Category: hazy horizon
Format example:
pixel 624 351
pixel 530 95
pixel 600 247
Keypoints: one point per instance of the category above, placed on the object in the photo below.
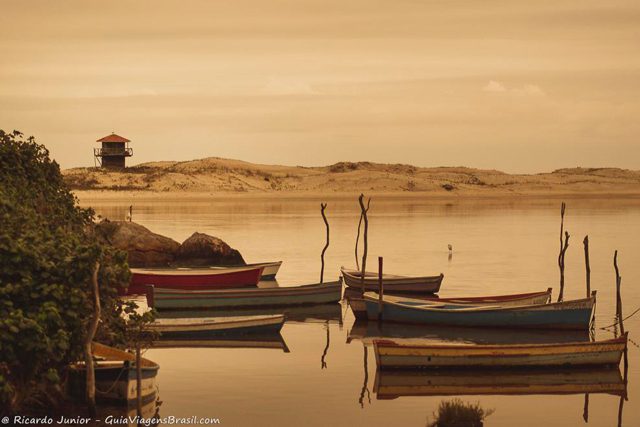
pixel 506 85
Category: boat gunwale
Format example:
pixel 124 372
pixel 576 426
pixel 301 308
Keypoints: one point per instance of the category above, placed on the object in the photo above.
pixel 461 300
pixel 255 264
pixel 246 321
pixel 535 307
pixel 247 291
pixel 205 272
pixel 392 278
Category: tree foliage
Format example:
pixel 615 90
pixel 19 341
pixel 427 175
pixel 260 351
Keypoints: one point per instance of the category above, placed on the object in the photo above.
pixel 47 250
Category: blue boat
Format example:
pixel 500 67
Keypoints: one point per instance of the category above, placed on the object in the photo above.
pixel 575 314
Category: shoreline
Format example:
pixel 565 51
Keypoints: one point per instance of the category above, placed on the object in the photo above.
pixel 216 178
pixel 115 195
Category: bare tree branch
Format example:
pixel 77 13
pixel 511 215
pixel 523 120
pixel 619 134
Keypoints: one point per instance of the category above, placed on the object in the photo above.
pixel 366 238
pixel 323 206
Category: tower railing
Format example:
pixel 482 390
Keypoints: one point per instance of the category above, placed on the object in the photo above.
pixel 102 152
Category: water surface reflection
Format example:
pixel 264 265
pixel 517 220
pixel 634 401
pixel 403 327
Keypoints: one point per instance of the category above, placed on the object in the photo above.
pixel 499 247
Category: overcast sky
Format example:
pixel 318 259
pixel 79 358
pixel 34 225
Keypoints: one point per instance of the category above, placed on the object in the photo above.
pixel 519 86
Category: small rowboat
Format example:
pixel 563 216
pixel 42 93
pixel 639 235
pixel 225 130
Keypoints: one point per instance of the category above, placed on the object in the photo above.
pixel 115 373
pixel 359 307
pixel 189 328
pixel 269 272
pixel 392 283
pixel 575 314
pixel 390 354
pixel 321 293
pixel 391 384
pixel 193 279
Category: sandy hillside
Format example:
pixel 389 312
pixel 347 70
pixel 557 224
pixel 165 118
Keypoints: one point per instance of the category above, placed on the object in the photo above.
pixel 215 176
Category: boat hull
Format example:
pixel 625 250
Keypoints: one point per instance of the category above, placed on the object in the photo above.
pixel 119 384
pixel 116 377
pixel 393 284
pixel 575 314
pixel 260 297
pixel 207 327
pixel 193 279
pixel 604 353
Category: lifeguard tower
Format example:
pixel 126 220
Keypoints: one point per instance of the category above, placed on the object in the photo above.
pixel 115 149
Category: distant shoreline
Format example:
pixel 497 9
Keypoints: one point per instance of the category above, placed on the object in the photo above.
pixel 231 179
pixel 112 196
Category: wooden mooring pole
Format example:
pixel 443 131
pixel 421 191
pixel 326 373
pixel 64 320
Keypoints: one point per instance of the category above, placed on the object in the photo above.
pixel 357 240
pixel 323 206
pixel 618 296
pixel 381 288
pixel 563 250
pixel 365 237
pixel 586 261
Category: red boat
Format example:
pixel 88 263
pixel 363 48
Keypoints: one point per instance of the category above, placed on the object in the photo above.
pixel 192 279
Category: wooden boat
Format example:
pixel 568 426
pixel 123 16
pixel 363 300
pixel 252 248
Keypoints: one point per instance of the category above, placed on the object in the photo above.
pixel 391 384
pixel 392 283
pixel 269 272
pixel 408 333
pixel 115 373
pixel 321 293
pixel 390 354
pixel 359 307
pixel 193 279
pixel 575 314
pixel 210 327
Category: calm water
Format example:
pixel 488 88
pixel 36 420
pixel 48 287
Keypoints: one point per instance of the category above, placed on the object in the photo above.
pixel 315 377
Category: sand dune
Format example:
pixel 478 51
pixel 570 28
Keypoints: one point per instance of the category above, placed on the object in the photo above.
pixel 225 177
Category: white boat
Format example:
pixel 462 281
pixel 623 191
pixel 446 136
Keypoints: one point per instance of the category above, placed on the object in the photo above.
pixel 207 327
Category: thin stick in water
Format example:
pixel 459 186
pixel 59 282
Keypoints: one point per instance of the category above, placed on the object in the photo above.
pixel 618 295
pixel 323 206
pixel 586 261
pixel 563 249
pixel 381 290
pixel 366 238
pixel 357 239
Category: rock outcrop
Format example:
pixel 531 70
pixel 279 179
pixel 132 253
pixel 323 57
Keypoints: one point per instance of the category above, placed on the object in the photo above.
pixel 201 249
pixel 148 249
pixel 145 248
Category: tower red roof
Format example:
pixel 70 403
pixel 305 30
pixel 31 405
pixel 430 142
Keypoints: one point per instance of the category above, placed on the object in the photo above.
pixel 113 138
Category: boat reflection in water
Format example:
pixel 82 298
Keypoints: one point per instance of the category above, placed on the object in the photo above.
pixel 267 341
pixel 127 415
pixel 394 384
pixel 320 313
pixel 366 332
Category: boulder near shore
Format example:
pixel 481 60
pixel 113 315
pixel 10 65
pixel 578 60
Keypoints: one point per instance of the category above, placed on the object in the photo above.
pixel 149 249
pixel 201 249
